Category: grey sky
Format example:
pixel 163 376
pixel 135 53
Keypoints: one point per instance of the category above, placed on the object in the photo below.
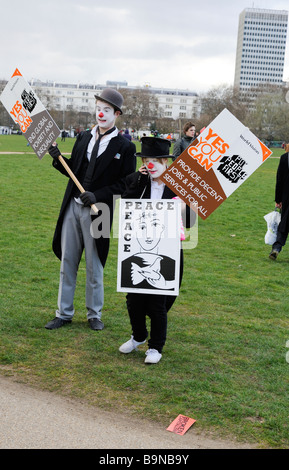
pixel 170 44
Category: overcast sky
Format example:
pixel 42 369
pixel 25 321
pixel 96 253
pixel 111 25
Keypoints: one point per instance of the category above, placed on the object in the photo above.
pixel 183 44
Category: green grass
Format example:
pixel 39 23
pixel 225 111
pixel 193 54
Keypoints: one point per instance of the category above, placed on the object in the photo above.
pixel 224 363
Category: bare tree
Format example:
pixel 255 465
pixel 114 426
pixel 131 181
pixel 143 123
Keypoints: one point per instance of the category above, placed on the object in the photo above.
pixel 140 108
pixel 5 118
pixel 218 98
pixel 269 114
pixel 165 125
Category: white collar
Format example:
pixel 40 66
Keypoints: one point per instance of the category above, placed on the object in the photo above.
pixel 156 184
pixel 112 134
pixel 103 143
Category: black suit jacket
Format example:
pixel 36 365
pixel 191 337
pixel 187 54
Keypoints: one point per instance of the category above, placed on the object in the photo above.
pixel 282 191
pixel 108 180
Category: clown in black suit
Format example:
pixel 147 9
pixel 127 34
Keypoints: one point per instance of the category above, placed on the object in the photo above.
pixel 101 159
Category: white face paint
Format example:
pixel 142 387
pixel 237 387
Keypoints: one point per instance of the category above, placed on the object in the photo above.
pixel 155 166
pixel 105 115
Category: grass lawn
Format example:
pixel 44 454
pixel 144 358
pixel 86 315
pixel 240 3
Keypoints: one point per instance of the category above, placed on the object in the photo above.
pixel 224 363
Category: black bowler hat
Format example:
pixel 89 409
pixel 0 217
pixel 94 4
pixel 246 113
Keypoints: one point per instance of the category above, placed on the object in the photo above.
pixel 154 147
pixel 112 97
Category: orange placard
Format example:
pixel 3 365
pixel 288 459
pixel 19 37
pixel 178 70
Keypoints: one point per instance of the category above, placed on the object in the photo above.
pixel 181 424
pixel 209 170
pixel 265 151
pixel 16 73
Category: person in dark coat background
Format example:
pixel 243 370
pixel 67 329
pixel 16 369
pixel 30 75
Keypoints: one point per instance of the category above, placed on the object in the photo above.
pixel 127 134
pixel 188 138
pixel 282 202
pixel 101 159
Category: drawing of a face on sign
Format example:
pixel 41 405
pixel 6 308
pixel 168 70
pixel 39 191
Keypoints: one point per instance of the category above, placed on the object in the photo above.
pixel 149 229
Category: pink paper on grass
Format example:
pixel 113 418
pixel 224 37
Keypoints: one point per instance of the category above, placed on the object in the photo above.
pixel 181 424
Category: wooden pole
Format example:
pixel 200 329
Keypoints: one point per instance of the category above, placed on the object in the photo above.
pixel 73 177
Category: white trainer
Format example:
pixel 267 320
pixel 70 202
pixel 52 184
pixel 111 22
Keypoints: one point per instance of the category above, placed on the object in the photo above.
pixel 153 356
pixel 130 346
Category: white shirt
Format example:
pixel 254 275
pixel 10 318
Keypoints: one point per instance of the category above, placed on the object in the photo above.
pixel 157 189
pixel 102 147
pixel 103 143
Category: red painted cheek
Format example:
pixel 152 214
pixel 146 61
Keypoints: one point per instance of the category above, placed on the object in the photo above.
pixel 150 166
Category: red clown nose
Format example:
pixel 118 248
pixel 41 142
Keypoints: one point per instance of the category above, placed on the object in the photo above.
pixel 100 115
pixel 150 165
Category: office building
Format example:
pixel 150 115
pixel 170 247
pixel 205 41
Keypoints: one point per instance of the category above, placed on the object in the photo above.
pixel 261 48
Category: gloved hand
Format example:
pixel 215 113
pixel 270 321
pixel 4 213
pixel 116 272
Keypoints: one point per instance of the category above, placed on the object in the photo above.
pixel 87 198
pixel 54 152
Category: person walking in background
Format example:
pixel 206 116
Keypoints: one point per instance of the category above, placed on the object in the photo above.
pixel 182 143
pixel 100 160
pixel 282 203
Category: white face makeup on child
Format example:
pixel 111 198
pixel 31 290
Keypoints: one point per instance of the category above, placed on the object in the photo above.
pixel 105 115
pixel 155 166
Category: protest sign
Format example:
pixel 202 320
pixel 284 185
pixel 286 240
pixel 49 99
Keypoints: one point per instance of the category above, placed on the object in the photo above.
pixel 149 246
pixel 224 155
pixel 28 112
pixel 34 120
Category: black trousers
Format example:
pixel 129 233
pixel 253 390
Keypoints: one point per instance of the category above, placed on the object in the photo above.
pixel 154 306
pixel 280 242
pixel 140 306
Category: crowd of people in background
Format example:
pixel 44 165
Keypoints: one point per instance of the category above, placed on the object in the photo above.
pixel 181 142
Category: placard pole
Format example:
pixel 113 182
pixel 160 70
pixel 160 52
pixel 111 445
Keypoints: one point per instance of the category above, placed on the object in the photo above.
pixel 73 177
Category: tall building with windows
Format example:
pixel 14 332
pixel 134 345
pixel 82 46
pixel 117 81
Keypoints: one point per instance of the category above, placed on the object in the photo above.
pixel 261 48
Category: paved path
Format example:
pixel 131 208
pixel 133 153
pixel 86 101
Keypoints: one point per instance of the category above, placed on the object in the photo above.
pixel 32 419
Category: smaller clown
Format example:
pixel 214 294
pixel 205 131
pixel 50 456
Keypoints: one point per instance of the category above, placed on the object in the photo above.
pixel 147 184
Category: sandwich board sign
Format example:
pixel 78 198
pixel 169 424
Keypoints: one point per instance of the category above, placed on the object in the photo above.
pixel 26 110
pixel 223 156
